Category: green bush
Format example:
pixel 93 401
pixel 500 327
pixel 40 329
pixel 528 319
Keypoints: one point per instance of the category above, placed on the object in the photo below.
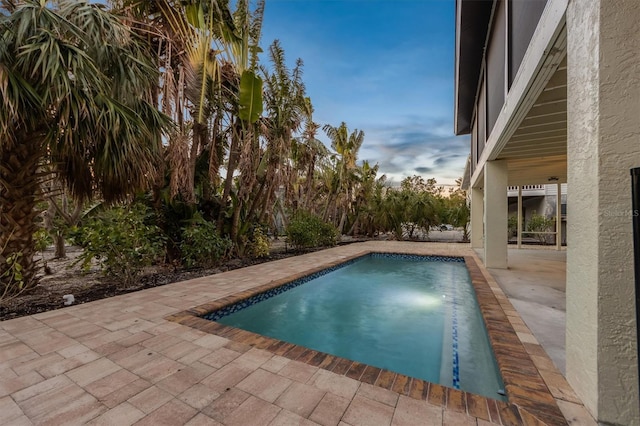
pixel 540 223
pixel 201 245
pixel 42 239
pixel 512 225
pixel 12 277
pixel 121 242
pixel 259 245
pixel 306 230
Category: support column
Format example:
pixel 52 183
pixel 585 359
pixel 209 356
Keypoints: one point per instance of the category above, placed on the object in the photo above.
pixel 603 130
pixel 519 226
pixel 559 217
pixel 477 219
pixel 495 214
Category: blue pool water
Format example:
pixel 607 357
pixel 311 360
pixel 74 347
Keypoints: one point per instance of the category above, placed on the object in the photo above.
pixel 408 314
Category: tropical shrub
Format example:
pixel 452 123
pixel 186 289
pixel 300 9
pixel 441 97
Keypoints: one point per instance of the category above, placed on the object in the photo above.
pixel 306 230
pixel 201 245
pixel 512 226
pixel 121 242
pixel 259 245
pixel 457 211
pixel 13 276
pixel 42 239
pixel 540 223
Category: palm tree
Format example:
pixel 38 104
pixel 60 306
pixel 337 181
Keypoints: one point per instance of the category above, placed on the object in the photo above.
pixel 75 88
pixel 287 109
pixel 346 147
pixel 363 195
pixel 208 58
pixel 309 155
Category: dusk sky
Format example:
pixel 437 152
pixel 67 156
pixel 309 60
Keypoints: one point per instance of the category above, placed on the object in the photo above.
pixel 384 67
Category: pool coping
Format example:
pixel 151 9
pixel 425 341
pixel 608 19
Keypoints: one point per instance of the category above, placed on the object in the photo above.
pixel 529 399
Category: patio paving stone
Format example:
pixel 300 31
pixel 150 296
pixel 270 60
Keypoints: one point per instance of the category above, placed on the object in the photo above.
pixel 287 418
pixel 183 379
pixel 378 394
pixel 92 371
pixel 202 420
pixel 264 385
pixel 120 361
pixel 122 414
pixel 300 399
pixel 298 371
pixel 452 418
pixel 198 396
pixel 172 413
pixel 225 404
pixel 125 393
pixel 10 386
pixel 150 399
pixel 330 410
pixel 365 412
pixel 409 409
pixel 111 383
pixel 9 409
pixel 252 411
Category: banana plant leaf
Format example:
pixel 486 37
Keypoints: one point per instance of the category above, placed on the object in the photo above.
pixel 250 98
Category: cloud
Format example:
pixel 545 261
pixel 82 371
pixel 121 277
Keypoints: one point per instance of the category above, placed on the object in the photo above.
pixel 420 145
pixel 423 170
pixel 384 67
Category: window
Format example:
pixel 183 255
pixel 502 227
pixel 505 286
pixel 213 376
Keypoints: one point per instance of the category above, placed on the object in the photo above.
pixel 496 68
pixel 524 16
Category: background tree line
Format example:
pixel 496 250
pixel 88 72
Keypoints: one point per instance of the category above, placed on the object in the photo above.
pixel 158 129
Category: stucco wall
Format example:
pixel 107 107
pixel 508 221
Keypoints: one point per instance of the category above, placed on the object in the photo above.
pixel 603 144
pixel 477 218
pixel 495 214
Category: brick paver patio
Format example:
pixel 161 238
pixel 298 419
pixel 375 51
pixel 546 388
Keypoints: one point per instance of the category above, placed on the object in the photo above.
pixel 119 361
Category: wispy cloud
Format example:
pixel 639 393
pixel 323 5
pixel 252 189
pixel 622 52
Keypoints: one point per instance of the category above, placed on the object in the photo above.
pixel 423 170
pixel 417 147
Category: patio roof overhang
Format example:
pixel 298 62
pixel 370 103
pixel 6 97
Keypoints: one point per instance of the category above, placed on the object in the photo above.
pixel 537 150
pixel 472 20
pixel 531 130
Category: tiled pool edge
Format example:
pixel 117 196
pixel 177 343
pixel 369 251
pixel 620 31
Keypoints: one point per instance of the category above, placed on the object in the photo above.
pixel 530 401
pixel 526 389
pixel 569 403
pixel 268 291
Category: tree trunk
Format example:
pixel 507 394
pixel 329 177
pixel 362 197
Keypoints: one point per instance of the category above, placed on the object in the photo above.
pixel 18 188
pixel 308 196
pixel 61 251
pixel 343 220
pixel 58 237
pixel 234 155
pixel 354 228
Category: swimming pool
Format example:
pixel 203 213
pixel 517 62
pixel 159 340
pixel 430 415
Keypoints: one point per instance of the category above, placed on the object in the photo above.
pixel 414 315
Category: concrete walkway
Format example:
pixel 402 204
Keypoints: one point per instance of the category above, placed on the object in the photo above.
pixel 535 284
pixel 118 361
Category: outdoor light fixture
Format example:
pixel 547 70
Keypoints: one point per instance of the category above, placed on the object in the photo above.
pixel 553 179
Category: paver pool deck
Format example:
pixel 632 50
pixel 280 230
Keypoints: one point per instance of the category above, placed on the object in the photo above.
pixel 141 358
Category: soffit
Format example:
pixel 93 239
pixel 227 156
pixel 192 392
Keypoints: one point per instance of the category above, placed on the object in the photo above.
pixel 471 33
pixel 537 151
pixel 537 171
pixel 543 131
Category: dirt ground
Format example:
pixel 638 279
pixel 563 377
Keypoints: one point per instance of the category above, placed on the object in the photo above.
pixel 67 278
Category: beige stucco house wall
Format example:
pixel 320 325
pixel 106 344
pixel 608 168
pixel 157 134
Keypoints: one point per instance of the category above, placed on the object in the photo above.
pixel 551 89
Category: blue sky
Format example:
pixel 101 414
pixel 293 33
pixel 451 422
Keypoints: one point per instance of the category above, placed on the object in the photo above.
pixel 382 66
